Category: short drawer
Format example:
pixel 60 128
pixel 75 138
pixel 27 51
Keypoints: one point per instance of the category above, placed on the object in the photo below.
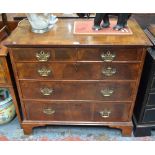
pixel 78 71
pixel 149 115
pixel 109 54
pixel 44 54
pixel 59 111
pixel 77 111
pixel 106 91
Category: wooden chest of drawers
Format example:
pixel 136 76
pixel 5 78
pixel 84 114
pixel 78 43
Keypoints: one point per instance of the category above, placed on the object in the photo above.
pixel 70 79
pixel 7 81
pixel 144 111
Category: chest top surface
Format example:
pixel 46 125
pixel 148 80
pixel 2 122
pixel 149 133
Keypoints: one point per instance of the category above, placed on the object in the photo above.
pixel 62 34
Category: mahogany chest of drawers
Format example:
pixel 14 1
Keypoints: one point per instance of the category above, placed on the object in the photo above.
pixel 70 79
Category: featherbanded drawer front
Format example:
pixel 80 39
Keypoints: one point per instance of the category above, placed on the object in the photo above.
pixel 77 111
pixel 73 54
pixel 70 79
pixel 78 71
pixel 113 91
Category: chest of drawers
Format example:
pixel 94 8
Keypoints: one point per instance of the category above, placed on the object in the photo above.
pixel 7 81
pixel 68 79
pixel 144 111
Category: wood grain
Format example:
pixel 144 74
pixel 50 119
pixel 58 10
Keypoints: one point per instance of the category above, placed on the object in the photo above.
pixel 62 34
pixel 76 78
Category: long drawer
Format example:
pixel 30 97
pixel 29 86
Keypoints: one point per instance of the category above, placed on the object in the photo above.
pixel 106 91
pixel 78 71
pixel 77 111
pixel 79 54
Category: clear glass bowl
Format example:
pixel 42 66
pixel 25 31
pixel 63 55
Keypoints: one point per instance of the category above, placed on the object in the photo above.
pixel 40 22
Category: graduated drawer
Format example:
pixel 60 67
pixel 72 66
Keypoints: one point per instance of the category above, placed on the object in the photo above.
pixel 78 71
pixel 77 111
pixel 44 54
pixel 81 54
pixel 107 54
pixel 106 91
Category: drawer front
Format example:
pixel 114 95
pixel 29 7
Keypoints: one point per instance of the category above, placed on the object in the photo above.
pixel 3 78
pixel 44 54
pixel 151 99
pixel 153 68
pixel 149 115
pixel 108 91
pixel 153 84
pixel 77 111
pixel 78 71
pixel 104 112
pixel 59 111
pixel 109 54
pixel 80 54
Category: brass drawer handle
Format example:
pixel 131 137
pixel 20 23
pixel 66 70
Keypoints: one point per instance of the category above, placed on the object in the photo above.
pixel 107 92
pixel 108 56
pixel 105 113
pixel 44 71
pixel 48 111
pixel 46 91
pixel 109 71
pixel 42 56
